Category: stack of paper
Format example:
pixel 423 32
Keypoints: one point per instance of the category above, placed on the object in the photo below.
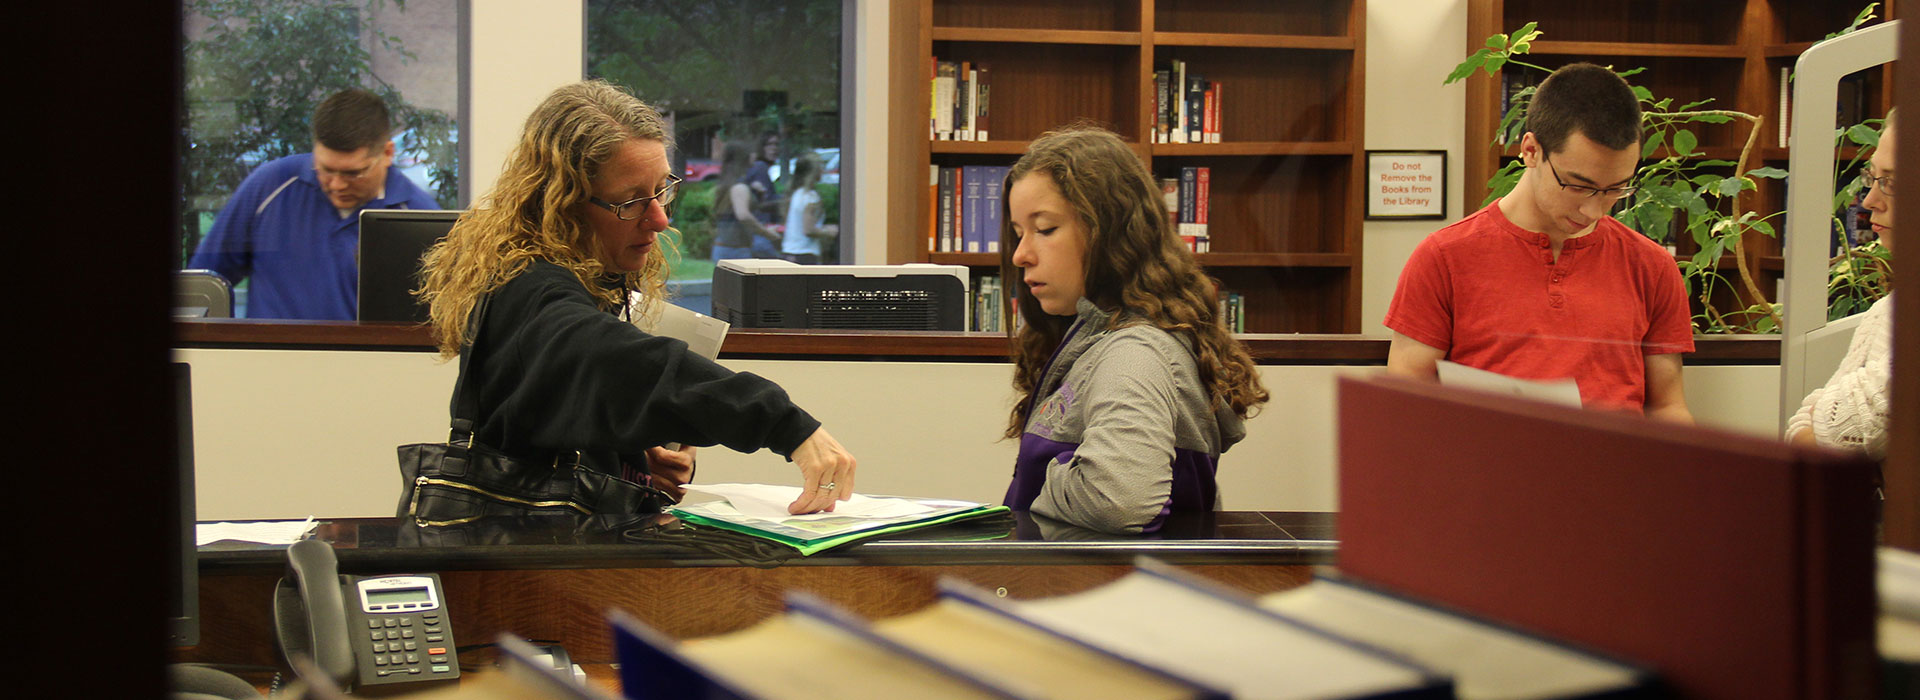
pixel 761 510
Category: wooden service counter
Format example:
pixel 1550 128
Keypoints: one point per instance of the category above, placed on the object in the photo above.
pixel 553 579
pixel 759 343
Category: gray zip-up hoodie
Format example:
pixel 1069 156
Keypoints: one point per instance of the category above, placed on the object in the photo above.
pixel 1122 433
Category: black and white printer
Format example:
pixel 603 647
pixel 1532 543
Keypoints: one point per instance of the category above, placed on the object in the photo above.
pixel 756 293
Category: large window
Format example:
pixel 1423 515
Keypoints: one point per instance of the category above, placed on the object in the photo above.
pixel 256 69
pixel 763 76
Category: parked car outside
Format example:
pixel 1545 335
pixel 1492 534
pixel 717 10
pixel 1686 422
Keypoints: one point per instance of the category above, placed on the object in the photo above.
pixel 702 169
pixel 829 171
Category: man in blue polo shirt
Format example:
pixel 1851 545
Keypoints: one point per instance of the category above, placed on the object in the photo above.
pixel 293 227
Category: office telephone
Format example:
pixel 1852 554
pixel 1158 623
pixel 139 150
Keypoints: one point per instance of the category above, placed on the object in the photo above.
pixel 363 630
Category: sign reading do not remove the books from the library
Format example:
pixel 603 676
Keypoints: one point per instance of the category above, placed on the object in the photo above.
pixel 1406 184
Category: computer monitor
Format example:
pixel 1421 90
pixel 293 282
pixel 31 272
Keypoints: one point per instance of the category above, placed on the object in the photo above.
pixel 391 243
pixel 183 561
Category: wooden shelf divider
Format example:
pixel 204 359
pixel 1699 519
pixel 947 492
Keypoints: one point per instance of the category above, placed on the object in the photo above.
pixel 1622 48
pixel 1032 36
pixel 1253 41
pixel 1255 148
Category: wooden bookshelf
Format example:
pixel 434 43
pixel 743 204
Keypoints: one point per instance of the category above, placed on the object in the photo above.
pixel 1731 51
pixel 1285 219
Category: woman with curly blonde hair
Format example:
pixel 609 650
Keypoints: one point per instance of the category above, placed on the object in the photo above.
pixel 1128 386
pixel 553 256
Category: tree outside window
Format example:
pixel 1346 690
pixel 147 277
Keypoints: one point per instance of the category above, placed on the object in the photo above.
pixel 727 71
pixel 256 69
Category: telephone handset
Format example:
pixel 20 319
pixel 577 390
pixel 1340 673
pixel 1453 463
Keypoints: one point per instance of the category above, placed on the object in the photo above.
pixel 362 631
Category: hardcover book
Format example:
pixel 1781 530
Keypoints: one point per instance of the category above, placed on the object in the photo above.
pixel 1739 567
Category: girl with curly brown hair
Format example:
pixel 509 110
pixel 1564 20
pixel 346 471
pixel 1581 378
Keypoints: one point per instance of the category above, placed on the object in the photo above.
pixel 570 230
pixel 1129 387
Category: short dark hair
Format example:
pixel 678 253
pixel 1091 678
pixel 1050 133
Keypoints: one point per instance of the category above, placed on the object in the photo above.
pixel 351 120
pixel 1587 99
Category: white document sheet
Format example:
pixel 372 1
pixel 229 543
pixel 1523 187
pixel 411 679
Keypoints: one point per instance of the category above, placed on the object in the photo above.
pixel 769 502
pixel 703 334
pixel 268 532
pixel 1561 391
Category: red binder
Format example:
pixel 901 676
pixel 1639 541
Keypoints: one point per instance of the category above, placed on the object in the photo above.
pixel 1735 567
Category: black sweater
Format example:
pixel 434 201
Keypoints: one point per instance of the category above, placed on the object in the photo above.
pixel 556 374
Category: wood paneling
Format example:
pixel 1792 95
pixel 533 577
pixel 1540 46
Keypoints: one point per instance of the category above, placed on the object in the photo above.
pixel 1273 17
pixel 1274 205
pixel 569 605
pixel 1634 21
pixel 1087 15
pixel 1043 86
pixel 1902 516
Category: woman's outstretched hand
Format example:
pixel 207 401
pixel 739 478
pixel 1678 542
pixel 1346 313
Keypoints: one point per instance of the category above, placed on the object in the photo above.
pixel 826 473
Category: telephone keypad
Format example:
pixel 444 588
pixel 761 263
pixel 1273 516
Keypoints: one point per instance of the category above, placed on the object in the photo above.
pixel 397 648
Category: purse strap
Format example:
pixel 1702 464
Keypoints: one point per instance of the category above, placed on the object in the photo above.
pixel 466 404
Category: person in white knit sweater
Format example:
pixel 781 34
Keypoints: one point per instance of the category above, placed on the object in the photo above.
pixel 1850 412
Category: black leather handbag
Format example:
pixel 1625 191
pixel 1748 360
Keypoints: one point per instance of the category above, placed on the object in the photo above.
pixel 460 480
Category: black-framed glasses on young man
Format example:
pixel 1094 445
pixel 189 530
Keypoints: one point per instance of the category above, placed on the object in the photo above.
pixel 1583 190
pixel 1870 181
pixel 636 207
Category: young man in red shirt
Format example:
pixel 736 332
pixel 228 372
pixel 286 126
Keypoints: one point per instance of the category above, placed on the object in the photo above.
pixel 1543 284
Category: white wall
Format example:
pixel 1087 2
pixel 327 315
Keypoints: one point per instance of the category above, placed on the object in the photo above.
pixel 1411 46
pixel 333 418
pixel 331 421
pixel 520 51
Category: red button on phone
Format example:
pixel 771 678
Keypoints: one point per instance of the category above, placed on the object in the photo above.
pixel 437 650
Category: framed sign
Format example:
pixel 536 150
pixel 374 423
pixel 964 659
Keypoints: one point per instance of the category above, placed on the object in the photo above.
pixel 1406 184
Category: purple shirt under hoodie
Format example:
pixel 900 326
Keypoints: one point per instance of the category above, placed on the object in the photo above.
pixel 1122 432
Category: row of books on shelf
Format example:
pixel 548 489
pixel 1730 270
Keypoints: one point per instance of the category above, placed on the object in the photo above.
pixel 961 95
pixel 1233 312
pixel 1186 106
pixel 967 205
pixel 1515 86
pixel 1189 198
pixel 989 305
pixel 1157 632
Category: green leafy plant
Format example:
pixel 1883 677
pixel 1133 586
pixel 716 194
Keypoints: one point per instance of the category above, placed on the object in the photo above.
pixel 1681 192
pixel 254 77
